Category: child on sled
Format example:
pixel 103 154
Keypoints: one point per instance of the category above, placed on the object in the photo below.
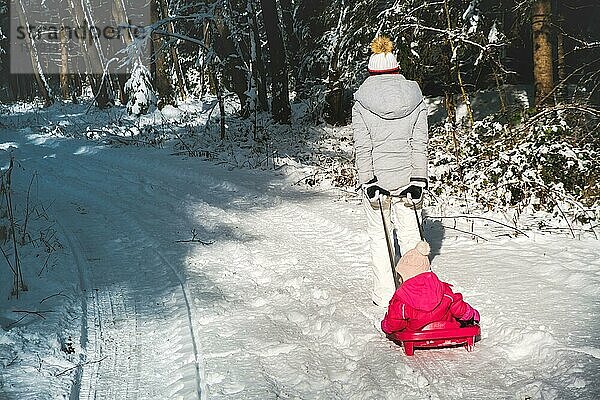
pixel 422 298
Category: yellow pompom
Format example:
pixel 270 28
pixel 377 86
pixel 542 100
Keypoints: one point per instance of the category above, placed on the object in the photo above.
pixel 382 44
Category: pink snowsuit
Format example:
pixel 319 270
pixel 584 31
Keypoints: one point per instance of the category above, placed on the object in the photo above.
pixel 423 299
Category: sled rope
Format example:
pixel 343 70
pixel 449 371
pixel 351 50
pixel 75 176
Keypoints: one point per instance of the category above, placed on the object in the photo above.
pixel 389 246
pixel 417 218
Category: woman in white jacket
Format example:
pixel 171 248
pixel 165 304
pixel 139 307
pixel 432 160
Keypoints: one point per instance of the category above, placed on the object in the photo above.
pixel 389 120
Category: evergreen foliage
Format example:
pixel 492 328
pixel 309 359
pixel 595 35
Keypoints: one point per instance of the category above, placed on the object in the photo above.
pixel 138 89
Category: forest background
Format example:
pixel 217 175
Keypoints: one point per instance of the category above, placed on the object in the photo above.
pixel 532 145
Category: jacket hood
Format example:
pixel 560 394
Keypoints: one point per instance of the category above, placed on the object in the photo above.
pixel 390 96
pixel 422 292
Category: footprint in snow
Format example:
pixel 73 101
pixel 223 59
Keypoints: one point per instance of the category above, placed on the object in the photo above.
pixel 214 377
pixel 343 338
pixel 415 378
pixel 231 388
pixel 319 328
pixel 259 303
pixel 296 317
pixel 278 349
pixel 319 294
pixel 577 383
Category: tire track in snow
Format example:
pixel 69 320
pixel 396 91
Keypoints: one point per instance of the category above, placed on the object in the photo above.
pixel 102 307
pixel 108 309
pixel 197 361
pixel 80 388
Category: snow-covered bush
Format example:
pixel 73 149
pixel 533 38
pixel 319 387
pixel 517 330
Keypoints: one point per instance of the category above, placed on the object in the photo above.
pixel 547 162
pixel 138 88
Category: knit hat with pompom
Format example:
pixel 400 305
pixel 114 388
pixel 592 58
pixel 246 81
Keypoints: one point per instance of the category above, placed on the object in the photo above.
pixel 382 60
pixel 414 262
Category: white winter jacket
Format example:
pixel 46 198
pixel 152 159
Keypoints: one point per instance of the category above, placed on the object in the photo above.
pixel 389 120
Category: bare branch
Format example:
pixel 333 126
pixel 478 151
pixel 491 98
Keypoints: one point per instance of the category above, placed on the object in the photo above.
pixel 482 218
pixel 54 295
pixel 38 313
pixel 194 239
pixel 468 233
pixel 80 365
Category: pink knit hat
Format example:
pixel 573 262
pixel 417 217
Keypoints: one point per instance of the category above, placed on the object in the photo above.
pixel 414 262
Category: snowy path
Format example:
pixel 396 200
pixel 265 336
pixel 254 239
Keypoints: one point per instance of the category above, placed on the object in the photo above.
pixel 139 320
pixel 278 305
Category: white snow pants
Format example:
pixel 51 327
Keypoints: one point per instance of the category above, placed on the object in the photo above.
pixel 401 218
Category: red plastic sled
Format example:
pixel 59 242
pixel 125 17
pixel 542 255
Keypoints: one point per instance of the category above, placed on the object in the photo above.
pixel 438 334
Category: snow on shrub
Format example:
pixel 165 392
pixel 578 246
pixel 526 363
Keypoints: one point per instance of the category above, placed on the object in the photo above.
pixel 139 91
pixel 545 163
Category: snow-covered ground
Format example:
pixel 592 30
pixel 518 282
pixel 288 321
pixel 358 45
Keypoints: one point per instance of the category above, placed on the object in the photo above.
pixel 181 279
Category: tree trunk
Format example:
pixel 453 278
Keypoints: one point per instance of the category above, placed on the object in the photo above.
pixel 562 91
pixel 120 16
pixel 233 66
pixel 260 75
pixel 160 66
pixel 181 83
pixel 76 86
pixel 64 65
pixel 98 82
pixel 334 107
pixel 456 66
pixel 542 51
pixel 221 100
pixel 206 83
pixel 450 106
pixel 43 87
pixel 291 40
pixel 214 81
pixel 280 107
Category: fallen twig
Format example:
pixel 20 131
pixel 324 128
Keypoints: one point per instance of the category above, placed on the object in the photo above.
pixel 80 365
pixel 45 265
pixel 127 140
pixel 194 239
pixel 54 295
pixel 26 312
pixel 313 175
pixel 15 358
pixel 559 228
pixel 16 322
pixel 478 217
pixel 467 232
pixel 193 153
pixel 38 313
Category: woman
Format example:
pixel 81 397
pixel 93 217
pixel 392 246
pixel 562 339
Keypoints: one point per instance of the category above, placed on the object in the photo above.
pixel 389 120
